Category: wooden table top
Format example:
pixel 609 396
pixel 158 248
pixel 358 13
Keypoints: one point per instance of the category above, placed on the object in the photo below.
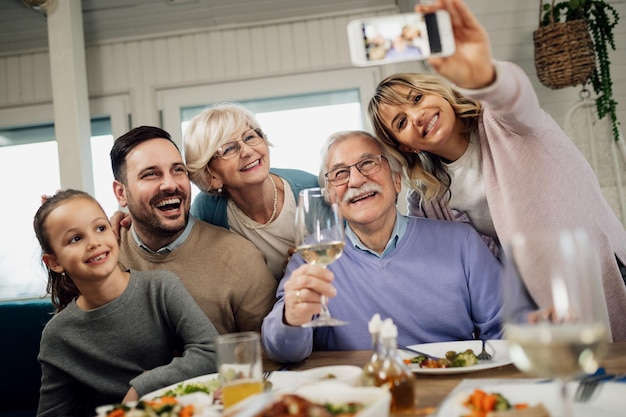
pixel 432 389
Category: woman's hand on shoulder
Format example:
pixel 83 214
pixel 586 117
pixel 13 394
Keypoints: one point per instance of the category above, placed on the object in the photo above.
pixel 471 65
pixel 118 220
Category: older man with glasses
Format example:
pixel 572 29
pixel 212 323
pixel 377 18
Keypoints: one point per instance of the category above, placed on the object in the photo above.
pixel 437 280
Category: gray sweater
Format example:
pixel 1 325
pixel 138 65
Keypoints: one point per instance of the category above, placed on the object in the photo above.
pixel 91 358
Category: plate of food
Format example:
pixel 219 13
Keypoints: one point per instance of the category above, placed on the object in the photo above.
pixel 196 404
pixel 207 384
pixel 536 400
pixel 326 398
pixel 457 355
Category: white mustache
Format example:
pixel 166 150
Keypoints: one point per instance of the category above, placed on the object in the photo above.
pixel 368 187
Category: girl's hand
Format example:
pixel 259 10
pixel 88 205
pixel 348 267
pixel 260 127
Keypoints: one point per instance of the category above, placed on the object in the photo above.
pixel 471 64
pixel 131 395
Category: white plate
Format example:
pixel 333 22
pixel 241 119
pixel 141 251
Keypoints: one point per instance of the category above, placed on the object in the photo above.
pixel 160 392
pixel 349 374
pixel 497 348
pixel 607 402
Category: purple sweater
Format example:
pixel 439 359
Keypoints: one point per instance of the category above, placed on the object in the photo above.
pixel 536 179
pixel 438 284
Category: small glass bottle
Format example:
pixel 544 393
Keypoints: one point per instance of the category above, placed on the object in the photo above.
pixel 394 373
pixel 370 369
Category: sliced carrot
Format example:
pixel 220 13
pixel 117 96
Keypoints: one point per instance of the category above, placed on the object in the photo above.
pixel 187 411
pixel 117 413
pixel 476 400
pixel 489 402
pixel 520 406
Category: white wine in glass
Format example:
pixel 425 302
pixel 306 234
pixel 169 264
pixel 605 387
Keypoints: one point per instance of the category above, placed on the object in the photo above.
pixel 568 336
pixel 319 239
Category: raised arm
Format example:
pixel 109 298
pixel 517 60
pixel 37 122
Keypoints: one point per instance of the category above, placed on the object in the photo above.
pixel 471 64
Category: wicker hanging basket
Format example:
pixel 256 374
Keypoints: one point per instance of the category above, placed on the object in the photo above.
pixel 564 54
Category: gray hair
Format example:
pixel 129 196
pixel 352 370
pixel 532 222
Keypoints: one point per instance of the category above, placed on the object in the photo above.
pixel 394 162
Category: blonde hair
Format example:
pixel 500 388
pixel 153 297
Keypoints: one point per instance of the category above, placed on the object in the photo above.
pixel 425 171
pixel 207 132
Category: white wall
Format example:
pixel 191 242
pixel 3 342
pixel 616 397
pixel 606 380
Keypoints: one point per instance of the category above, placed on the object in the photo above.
pixel 141 68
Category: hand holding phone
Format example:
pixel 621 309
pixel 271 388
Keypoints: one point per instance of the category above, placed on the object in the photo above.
pixel 402 37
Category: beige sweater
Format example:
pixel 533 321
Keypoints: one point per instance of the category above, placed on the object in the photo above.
pixel 225 274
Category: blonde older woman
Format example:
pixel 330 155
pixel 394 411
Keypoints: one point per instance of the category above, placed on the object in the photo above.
pixel 228 158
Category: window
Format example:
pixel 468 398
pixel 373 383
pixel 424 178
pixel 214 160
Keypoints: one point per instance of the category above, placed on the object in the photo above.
pixel 30 167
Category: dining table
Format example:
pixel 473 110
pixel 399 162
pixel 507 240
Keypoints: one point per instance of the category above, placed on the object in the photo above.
pixel 432 389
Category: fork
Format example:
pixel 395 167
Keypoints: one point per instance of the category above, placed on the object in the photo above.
pixel 589 384
pixel 267 384
pixel 484 355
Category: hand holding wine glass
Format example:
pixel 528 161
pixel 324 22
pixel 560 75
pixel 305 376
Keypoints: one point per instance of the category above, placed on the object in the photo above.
pixel 319 239
pixel 568 336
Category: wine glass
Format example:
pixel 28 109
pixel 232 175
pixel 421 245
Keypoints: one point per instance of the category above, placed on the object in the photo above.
pixel 568 336
pixel 319 238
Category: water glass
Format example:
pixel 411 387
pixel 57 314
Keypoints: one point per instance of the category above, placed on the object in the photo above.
pixel 240 366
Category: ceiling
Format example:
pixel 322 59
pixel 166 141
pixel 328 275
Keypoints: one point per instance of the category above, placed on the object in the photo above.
pixel 23 29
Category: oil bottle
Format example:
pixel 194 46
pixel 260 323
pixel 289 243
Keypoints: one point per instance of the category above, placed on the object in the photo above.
pixel 370 369
pixel 394 373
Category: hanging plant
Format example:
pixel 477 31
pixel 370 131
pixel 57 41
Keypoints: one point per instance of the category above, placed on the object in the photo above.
pixel 601 19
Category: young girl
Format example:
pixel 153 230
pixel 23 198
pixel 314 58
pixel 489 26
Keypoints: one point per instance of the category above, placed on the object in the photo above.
pixel 484 151
pixel 115 333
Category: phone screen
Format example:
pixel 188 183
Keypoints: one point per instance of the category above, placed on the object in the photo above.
pixel 405 37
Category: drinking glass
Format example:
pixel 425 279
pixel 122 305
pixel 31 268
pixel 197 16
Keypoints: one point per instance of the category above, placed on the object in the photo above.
pixel 319 239
pixel 240 366
pixel 568 336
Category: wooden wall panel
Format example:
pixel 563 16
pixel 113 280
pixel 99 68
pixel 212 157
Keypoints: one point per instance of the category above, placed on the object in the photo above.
pixel 138 67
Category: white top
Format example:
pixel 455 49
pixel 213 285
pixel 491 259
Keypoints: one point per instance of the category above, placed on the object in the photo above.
pixel 468 188
pixel 274 240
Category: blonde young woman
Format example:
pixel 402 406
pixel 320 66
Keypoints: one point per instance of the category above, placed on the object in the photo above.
pixel 228 158
pixel 483 151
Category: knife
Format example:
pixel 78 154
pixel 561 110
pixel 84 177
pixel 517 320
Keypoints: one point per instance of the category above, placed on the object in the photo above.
pixel 417 352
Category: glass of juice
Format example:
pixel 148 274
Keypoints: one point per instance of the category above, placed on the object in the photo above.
pixel 240 366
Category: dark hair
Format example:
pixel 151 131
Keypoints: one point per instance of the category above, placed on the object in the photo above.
pixel 125 143
pixel 60 286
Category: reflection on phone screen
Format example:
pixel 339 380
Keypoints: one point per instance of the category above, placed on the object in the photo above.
pixel 405 38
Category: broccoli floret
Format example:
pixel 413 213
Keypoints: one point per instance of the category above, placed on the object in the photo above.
pixel 466 358
pixel 418 359
pixel 501 403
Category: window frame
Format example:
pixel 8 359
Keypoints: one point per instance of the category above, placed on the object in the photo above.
pixel 171 101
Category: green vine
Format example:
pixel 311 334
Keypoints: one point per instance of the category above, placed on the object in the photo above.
pixel 601 19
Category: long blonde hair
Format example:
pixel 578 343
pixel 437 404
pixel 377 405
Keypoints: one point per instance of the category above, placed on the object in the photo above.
pixel 425 171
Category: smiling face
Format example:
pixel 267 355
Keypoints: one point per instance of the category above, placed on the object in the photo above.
pixel 157 192
pixel 82 241
pixel 363 200
pixel 427 122
pixel 250 167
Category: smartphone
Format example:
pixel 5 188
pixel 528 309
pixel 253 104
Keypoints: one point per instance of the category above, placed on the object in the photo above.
pixel 401 37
